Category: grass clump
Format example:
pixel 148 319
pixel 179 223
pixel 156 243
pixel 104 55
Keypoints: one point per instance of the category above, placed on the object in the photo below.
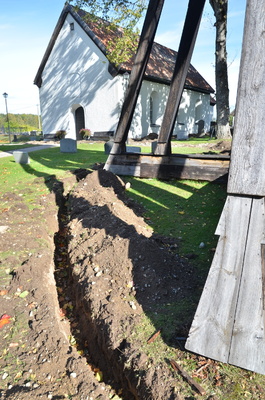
pixel 186 210
pixel 46 164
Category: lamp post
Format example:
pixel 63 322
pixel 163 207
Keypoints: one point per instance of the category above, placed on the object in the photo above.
pixel 5 97
pixel 38 113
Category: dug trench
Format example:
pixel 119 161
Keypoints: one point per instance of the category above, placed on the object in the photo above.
pixel 88 311
pixel 120 275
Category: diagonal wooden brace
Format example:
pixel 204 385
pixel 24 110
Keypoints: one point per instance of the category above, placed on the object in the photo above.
pixel 188 38
pixel 141 59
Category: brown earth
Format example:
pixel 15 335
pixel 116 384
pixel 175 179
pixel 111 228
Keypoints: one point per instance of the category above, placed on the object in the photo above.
pixel 79 273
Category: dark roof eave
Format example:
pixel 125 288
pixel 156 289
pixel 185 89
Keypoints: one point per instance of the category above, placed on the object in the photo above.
pixel 197 89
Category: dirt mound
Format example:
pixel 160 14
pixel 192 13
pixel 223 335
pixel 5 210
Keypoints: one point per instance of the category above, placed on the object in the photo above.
pixel 223 146
pixel 121 272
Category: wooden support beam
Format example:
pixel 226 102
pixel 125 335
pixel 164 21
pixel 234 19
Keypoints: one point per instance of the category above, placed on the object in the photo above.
pixel 141 59
pixel 229 321
pixel 189 35
pixel 178 166
pixel 229 324
pixel 247 170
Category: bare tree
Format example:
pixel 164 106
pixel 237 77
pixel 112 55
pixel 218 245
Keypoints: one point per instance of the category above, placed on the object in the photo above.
pixel 221 75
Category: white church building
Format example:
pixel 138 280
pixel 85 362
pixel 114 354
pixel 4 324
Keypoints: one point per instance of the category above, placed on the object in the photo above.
pixel 79 87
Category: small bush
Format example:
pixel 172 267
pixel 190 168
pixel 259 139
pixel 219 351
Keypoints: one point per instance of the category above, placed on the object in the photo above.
pixel 85 133
pixel 60 134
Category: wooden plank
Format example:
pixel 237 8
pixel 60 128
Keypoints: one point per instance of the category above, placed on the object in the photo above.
pixel 262 254
pixel 248 340
pixel 187 42
pixel 211 331
pixel 220 230
pixel 123 164
pixel 141 59
pixel 247 170
pixel 165 167
pixel 180 159
pixel 184 171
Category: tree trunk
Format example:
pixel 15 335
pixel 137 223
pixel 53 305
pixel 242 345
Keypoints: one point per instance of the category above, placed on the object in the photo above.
pixel 221 76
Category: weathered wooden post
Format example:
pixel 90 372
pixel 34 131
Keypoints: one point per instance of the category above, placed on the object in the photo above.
pixel 188 38
pixel 229 324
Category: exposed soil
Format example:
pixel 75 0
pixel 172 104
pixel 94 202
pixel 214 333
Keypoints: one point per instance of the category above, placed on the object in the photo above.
pixel 76 291
pixel 120 272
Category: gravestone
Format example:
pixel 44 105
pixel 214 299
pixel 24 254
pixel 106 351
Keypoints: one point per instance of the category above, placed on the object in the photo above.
pixel 133 149
pixel 68 146
pixel 129 149
pixel 108 146
pixel 21 157
pixel 153 146
pixel 200 124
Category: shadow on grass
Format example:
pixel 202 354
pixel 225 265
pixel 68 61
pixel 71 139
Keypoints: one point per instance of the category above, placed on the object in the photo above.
pixel 191 217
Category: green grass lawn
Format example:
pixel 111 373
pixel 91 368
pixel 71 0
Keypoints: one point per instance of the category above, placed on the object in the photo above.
pixel 187 210
pixel 48 162
pixel 44 165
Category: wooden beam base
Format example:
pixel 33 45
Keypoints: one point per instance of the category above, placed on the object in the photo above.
pixel 178 166
pixel 229 324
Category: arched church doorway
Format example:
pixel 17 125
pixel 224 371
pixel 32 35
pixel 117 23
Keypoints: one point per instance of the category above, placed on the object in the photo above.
pixel 79 121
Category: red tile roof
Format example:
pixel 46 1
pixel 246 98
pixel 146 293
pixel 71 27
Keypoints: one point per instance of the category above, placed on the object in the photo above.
pixel 161 62
pixel 160 65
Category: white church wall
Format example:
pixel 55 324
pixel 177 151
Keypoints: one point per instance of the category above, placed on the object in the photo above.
pixel 77 74
pixel 148 115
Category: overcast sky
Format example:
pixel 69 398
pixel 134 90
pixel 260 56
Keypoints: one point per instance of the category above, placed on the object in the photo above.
pixel 26 27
